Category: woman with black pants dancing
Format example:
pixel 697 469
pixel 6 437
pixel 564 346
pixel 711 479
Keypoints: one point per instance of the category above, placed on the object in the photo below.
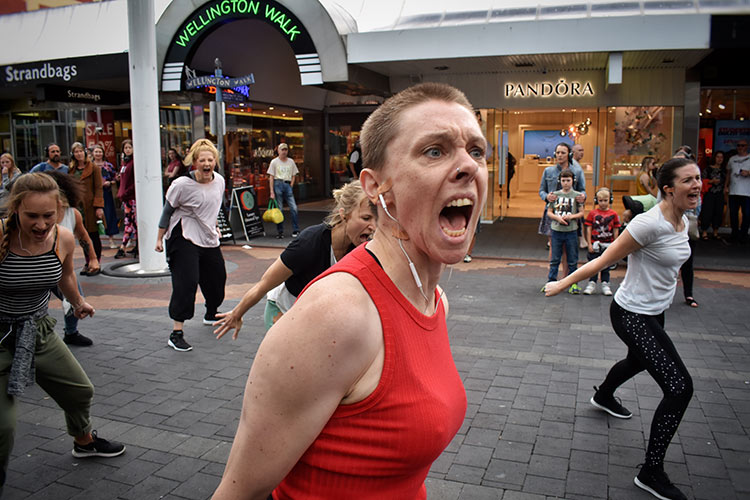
pixel 657 243
pixel 193 252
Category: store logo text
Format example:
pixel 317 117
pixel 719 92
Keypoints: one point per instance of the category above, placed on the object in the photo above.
pixel 549 89
pixel 230 7
pixel 47 70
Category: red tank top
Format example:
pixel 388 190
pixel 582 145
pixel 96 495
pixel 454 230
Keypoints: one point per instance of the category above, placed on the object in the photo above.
pixel 384 445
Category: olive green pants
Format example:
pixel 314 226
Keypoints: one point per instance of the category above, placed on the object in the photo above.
pixel 58 374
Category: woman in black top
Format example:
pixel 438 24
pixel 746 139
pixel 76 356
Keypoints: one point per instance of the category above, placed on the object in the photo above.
pixel 351 222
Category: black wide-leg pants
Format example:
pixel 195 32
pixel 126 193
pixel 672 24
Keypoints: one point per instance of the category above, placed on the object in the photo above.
pixel 192 266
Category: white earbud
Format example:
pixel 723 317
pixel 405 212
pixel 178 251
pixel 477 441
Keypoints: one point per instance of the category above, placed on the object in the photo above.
pixel 412 267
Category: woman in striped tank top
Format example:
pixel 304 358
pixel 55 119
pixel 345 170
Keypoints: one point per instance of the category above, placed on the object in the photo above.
pixel 36 255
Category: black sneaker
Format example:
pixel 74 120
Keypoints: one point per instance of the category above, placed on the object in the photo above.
pixel 655 481
pixel 177 341
pixel 98 448
pixel 210 319
pixel 280 236
pixel 120 254
pixel 611 405
pixel 76 338
pixel 295 234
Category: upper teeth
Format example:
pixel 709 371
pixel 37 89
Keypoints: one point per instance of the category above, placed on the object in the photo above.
pixel 461 202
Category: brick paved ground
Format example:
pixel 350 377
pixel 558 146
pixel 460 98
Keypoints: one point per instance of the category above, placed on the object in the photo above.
pixel 528 364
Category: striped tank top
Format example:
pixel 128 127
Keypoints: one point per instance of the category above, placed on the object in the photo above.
pixel 25 282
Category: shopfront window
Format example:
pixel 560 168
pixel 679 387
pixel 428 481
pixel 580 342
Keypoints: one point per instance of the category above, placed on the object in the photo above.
pixel 724 120
pixel 252 134
pixel 632 133
pixel 343 134
pixel 176 129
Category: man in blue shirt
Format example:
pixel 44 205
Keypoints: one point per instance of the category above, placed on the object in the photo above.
pixel 53 160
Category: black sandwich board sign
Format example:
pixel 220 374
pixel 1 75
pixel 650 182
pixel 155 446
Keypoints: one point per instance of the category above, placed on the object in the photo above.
pixel 247 206
pixel 225 229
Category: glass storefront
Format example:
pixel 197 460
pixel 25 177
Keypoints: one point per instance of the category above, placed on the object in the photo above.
pixel 615 141
pixel 343 133
pixel 33 130
pixel 724 120
pixel 253 131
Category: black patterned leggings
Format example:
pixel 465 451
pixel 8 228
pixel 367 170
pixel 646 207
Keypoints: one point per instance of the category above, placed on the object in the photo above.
pixel 650 348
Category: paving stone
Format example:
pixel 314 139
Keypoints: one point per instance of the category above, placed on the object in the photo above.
pixel 546 466
pixel 544 485
pixel 586 483
pixel 475 456
pixel 513 451
pixel 553 446
pixel 506 472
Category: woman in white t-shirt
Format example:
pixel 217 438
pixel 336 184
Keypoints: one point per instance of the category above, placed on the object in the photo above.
pixel 657 245
pixel 193 252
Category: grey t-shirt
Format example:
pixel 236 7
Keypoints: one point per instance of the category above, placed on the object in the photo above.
pixel 651 278
pixel 564 204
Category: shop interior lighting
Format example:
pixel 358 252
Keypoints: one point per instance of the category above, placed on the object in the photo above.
pixel 708 110
pixel 722 107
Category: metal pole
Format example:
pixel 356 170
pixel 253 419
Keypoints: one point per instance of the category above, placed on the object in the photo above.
pixel 219 118
pixel 144 105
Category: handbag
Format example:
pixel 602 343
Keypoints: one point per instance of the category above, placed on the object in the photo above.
pixel 273 213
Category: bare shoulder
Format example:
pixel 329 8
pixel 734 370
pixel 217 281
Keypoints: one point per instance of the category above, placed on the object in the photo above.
pixel 65 240
pixel 336 310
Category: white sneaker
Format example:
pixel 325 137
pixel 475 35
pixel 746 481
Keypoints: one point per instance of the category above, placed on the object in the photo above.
pixel 467 258
pixel 590 288
pixel 606 290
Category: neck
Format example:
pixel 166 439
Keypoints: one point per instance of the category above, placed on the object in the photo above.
pixel 671 212
pixel 396 265
pixel 339 241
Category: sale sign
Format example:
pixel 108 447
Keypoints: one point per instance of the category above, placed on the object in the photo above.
pixel 102 133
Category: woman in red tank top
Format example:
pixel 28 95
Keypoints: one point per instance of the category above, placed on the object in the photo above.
pixel 353 393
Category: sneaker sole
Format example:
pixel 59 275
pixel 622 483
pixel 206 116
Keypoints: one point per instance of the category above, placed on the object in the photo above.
pixel 604 408
pixel 79 454
pixel 209 322
pixel 648 488
pixel 171 344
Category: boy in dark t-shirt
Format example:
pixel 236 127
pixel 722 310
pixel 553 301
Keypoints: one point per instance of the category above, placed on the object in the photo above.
pixel 564 213
pixel 601 226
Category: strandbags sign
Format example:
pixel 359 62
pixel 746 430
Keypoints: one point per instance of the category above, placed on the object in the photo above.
pixel 63 71
pixel 560 88
pixel 212 15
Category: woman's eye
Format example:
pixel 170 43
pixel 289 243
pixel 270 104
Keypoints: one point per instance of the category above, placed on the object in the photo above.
pixel 433 153
pixel 477 154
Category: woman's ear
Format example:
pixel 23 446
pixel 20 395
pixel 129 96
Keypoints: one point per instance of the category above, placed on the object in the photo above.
pixel 370 184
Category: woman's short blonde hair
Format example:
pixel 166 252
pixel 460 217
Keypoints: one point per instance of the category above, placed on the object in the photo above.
pixel 197 148
pixel 382 125
pixel 347 198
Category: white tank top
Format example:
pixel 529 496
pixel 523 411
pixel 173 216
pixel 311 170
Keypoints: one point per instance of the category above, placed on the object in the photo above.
pixel 69 219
